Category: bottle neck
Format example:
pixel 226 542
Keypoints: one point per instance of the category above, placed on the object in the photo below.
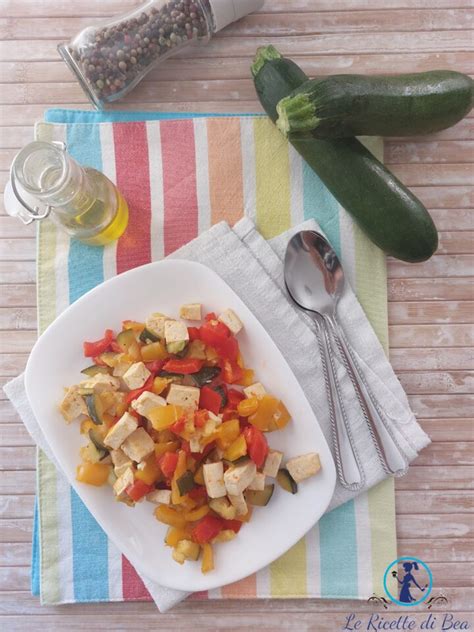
pixel 46 172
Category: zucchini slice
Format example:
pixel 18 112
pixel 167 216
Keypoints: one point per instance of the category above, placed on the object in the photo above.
pixel 179 349
pixel 260 498
pixel 205 375
pixel 148 336
pixel 94 369
pixel 126 339
pixel 222 392
pixel 286 481
pixel 96 439
pixel 185 482
pixel 94 408
pixel 108 357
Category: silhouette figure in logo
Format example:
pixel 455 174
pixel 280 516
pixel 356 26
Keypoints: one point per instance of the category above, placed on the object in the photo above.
pixel 407 581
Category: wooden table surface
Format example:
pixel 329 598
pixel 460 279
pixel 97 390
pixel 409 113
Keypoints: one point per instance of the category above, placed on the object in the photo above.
pixel 430 308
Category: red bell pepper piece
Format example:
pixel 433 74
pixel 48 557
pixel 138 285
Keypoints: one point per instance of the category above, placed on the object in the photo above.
pixel 210 400
pixel 210 316
pixel 138 489
pixel 207 529
pixel 168 462
pixel 229 413
pixel 138 391
pixel 92 349
pixel 185 366
pixel 98 361
pixel 229 349
pixel 115 347
pixel 200 418
pixel 178 426
pixel 234 397
pixel 193 333
pixel 198 493
pixel 155 365
pixel 257 445
pixel 231 371
pixel 214 333
pixel 233 525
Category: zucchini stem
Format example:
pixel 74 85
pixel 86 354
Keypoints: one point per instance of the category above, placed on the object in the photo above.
pixel 296 114
pixel 264 54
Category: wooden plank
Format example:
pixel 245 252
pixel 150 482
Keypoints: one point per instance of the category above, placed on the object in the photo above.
pixel 17 272
pixel 7 413
pixel 16 578
pixel 427 312
pixel 23 249
pixel 17 318
pixel 18 295
pixel 453 219
pixel 444 289
pixel 14 435
pixel 435 526
pixel 436 196
pixel 434 502
pixel 422 477
pixel 456 242
pixel 434 174
pixel 15 553
pixel 17 483
pixel 404 152
pixel 445 429
pixel 437 335
pixel 437 266
pixel 430 358
pixel 439 453
pixel 441 406
pixel 12 364
pixel 18 458
pixel 16 530
pixel 17 341
pixel 15 506
pixel 11 227
pixel 439 550
pixel 425 382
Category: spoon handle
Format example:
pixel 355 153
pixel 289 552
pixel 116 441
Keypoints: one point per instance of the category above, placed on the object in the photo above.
pixel 348 465
pixel 391 456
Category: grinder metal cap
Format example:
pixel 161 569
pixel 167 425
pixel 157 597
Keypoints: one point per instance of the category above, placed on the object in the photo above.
pixel 226 11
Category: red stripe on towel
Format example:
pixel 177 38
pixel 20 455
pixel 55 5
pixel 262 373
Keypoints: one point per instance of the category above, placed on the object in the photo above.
pixel 133 588
pixel 179 183
pixel 133 181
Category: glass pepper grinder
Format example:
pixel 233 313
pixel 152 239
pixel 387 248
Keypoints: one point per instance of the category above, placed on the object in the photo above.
pixel 81 200
pixel 111 58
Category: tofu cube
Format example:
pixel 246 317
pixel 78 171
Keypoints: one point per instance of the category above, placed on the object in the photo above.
pixel 185 396
pixel 101 382
pixel 272 463
pixel 238 478
pixel 138 445
pixel 146 402
pixel 123 481
pixel 121 364
pixel 223 507
pixel 156 324
pixel 191 311
pixel 304 466
pixel 121 461
pixel 122 429
pixel 136 376
pixel 233 322
pixel 160 497
pixel 255 390
pixel 73 405
pixel 239 503
pixel 176 331
pixel 214 479
pixel 258 483
pixel 195 443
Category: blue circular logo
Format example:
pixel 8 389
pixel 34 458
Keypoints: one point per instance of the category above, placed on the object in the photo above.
pixel 414 581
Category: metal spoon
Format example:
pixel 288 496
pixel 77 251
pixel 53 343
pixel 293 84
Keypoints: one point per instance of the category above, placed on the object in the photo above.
pixel 315 280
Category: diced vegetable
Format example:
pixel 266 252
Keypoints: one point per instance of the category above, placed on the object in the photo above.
pixel 95 369
pixel 176 495
pixel 168 462
pixel 153 351
pixel 286 481
pixel 151 472
pixel 170 516
pixel 207 529
pixel 148 336
pixel 163 417
pixel 95 408
pixel 210 400
pixel 227 433
pixel 175 535
pixel 92 349
pixel 93 473
pixel 207 563
pixel 257 445
pixel 186 550
pixel 127 343
pixel 138 489
pixel 185 366
pixel 205 375
pixel 185 482
pixel 98 440
pixel 159 385
pixel 260 498
pixel 196 514
pixel 237 449
pixel 247 407
pixel 231 371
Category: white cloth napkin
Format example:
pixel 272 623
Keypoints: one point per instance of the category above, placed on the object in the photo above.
pixel 253 268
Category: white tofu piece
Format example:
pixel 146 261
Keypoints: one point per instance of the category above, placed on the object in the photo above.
pixel 138 445
pixel 214 479
pixel 258 483
pixel 176 331
pixel 195 443
pixel 185 396
pixel 73 405
pixel 255 390
pixel 160 497
pixel 272 463
pixel 101 382
pixel 121 364
pixel 136 376
pixel 239 503
pixel 304 466
pixel 233 322
pixel 121 461
pixel 123 481
pixel 223 507
pixel 147 401
pixel 120 431
pixel 156 324
pixel 191 311
pixel 238 478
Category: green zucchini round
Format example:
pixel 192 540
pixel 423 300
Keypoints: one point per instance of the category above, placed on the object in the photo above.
pixel 389 214
pixel 378 105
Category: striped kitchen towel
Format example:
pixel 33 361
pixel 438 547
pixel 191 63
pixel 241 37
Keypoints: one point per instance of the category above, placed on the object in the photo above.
pixel 180 175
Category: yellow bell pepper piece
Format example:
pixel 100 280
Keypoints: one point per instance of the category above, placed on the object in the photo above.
pixel 154 351
pixel 248 378
pixel 176 497
pixel 247 407
pixel 227 432
pixel 167 446
pixel 133 324
pixel 170 516
pixel 264 417
pixel 159 385
pixel 93 473
pixel 224 536
pixel 163 417
pixel 175 535
pixel 151 472
pixel 197 514
pixel 199 477
pixel 87 425
pixel 187 503
pixel 236 449
pixel 207 563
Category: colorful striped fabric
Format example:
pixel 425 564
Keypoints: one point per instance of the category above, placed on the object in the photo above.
pixel 181 175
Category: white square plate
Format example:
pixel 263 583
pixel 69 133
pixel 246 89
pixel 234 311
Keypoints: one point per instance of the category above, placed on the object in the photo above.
pixel 56 361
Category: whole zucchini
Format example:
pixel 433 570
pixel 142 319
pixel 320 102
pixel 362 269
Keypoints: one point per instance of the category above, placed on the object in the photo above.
pixel 392 217
pixel 357 105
